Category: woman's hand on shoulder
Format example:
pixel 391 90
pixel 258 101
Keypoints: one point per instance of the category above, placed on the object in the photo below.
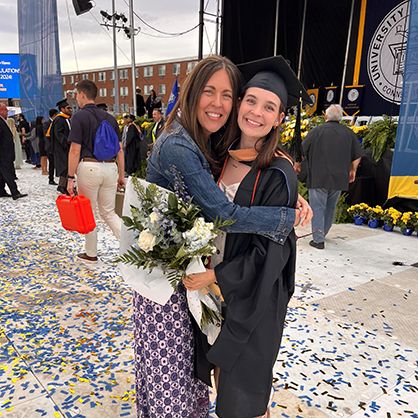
pixel 305 211
pixel 199 280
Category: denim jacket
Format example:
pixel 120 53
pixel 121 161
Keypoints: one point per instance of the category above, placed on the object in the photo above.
pixel 177 148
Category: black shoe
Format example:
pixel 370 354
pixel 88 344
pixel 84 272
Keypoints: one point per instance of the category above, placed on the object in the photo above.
pixel 52 182
pixel 317 245
pixel 62 190
pixel 5 194
pixel 19 195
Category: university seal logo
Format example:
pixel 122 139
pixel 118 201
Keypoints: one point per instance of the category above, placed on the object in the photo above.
pixel 387 50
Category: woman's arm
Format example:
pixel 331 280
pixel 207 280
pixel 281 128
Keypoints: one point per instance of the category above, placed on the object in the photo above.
pixel 32 135
pixel 274 223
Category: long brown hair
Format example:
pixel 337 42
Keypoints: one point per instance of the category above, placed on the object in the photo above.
pixel 188 101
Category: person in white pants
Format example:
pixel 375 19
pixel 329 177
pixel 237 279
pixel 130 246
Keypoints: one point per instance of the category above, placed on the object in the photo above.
pixel 96 180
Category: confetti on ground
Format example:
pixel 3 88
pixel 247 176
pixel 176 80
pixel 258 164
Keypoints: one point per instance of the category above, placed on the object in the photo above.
pixel 66 342
pixel 66 330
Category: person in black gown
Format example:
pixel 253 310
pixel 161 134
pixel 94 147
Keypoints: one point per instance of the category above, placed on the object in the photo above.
pixel 256 275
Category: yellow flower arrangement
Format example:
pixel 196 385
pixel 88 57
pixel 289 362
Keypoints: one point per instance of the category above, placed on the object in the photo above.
pixel 391 217
pixel 360 131
pixel 146 125
pixel 288 127
pixel 359 209
pixel 407 221
pixel 121 124
pixel 415 221
pixel 374 213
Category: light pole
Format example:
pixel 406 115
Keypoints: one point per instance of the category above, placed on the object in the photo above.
pixel 131 12
pixel 115 60
pixel 130 32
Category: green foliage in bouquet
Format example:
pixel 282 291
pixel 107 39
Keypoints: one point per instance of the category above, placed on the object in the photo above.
pixel 170 233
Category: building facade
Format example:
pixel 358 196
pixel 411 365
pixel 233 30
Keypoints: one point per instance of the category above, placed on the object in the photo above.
pixel 158 76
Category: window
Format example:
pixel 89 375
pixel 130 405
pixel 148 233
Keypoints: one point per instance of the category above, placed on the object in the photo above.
pixel 71 79
pixel 161 89
pixel 124 91
pixel 124 107
pixel 148 71
pixel 112 76
pixel 102 92
pixel 112 92
pixel 123 74
pixel 190 66
pixel 93 77
pixel 136 72
pixel 147 89
pixel 72 94
pixel 176 69
pixel 63 80
pixel 161 70
pixel 84 76
pixel 102 76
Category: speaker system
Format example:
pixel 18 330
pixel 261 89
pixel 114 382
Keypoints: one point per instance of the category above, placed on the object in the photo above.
pixel 81 6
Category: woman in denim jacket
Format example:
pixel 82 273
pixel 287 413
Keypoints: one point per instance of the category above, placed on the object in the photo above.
pixel 166 382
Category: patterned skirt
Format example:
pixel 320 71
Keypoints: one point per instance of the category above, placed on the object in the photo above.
pixel 165 384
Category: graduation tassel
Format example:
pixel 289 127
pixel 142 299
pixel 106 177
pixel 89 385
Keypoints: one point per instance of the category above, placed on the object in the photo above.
pixel 296 151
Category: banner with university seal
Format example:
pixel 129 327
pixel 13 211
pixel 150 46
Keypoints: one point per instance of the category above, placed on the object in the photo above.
pixel 352 99
pixel 404 175
pixel 330 96
pixel 313 94
pixel 383 56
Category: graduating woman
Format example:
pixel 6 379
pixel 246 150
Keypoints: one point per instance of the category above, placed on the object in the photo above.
pixel 167 382
pixel 255 275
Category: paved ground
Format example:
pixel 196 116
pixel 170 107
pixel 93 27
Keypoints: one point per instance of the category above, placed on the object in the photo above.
pixel 350 347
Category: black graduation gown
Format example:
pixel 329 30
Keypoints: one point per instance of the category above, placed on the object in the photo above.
pixel 60 130
pixel 132 150
pixel 257 281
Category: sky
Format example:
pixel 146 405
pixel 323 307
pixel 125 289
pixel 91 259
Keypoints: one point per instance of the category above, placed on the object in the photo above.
pixel 94 43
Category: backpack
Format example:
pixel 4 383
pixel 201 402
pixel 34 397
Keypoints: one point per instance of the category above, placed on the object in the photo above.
pixel 106 141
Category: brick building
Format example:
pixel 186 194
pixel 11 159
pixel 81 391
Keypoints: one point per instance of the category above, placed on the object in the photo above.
pixel 159 76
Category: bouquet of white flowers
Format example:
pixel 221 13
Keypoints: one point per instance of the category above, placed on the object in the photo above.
pixel 170 239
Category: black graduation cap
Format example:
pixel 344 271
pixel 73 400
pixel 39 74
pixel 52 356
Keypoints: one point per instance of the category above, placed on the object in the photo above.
pixel 130 116
pixel 102 106
pixel 274 74
pixel 62 103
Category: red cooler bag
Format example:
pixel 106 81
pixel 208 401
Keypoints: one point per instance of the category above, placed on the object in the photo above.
pixel 76 213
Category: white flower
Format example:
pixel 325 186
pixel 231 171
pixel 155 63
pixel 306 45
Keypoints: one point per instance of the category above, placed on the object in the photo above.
pixel 199 236
pixel 154 218
pixel 146 240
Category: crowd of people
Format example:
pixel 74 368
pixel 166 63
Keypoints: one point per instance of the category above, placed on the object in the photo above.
pixel 223 136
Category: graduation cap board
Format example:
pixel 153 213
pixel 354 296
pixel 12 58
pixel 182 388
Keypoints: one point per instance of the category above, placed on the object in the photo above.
pixel 62 103
pixel 274 74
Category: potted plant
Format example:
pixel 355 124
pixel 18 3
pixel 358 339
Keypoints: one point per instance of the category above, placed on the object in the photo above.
pixel 360 131
pixel 407 223
pixel 374 215
pixel 381 137
pixel 415 222
pixel 359 211
pixel 390 217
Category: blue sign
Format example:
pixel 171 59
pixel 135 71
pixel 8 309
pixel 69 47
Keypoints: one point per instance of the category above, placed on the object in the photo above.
pixel 9 76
